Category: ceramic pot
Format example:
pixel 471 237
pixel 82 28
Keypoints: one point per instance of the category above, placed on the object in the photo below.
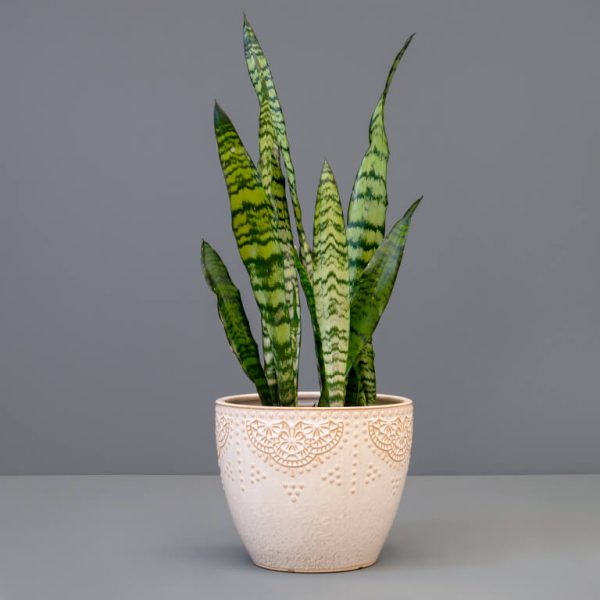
pixel 313 489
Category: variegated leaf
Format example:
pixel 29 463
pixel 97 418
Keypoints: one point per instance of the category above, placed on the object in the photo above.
pixel 373 290
pixel 269 360
pixel 307 286
pixel 331 285
pixel 368 202
pixel 366 219
pixel 235 322
pixel 361 388
pixel 365 369
pixel 254 225
pixel 274 183
pixel 262 80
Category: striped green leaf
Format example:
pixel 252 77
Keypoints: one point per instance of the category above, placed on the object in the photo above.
pixel 269 360
pixel 307 286
pixel 372 292
pixel 262 80
pixel 361 388
pixel 368 202
pixel 233 317
pixel 366 384
pixel 254 225
pixel 331 285
pixel 352 396
pixel 274 184
pixel 363 373
pixel 293 295
pixel 265 166
pixel 366 222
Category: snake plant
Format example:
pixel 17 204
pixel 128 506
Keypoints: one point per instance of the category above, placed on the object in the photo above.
pixel 348 274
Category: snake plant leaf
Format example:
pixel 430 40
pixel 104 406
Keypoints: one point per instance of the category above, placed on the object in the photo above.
pixel 368 202
pixel 233 317
pixel 293 296
pixel 265 166
pixel 331 284
pixel 262 80
pixel 254 226
pixel 352 395
pixel 274 184
pixel 366 220
pixel 307 286
pixel 362 385
pixel 365 367
pixel 373 290
pixel 269 361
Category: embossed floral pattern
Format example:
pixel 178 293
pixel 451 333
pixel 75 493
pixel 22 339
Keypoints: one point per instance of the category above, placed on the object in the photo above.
pixel 294 445
pixel 222 429
pixel 393 437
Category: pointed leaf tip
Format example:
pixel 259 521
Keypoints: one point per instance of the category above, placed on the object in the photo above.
pixel 248 30
pixel 372 292
pixel 220 116
pixel 411 209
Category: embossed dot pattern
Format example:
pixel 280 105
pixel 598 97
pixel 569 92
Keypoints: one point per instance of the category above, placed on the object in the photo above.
pixel 372 474
pixel 293 490
pixel 333 476
pixel 397 483
pixel 256 475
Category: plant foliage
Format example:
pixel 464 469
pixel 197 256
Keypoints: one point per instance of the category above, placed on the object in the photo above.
pixel 347 276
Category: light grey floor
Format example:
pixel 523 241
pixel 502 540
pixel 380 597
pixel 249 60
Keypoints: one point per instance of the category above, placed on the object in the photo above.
pixel 151 537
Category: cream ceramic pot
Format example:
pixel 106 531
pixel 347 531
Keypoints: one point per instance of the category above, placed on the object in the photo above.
pixel 313 489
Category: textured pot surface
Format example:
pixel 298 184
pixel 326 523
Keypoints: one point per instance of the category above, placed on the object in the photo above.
pixel 313 489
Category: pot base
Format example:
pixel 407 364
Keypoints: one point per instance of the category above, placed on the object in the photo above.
pixel 332 570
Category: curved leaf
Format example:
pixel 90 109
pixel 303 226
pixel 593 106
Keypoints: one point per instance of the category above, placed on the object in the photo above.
pixel 366 220
pixel 330 284
pixel 233 317
pixel 262 80
pixel 253 223
pixel 368 202
pixel 374 288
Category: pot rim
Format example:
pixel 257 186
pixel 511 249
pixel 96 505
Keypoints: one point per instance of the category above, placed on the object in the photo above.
pixel 250 400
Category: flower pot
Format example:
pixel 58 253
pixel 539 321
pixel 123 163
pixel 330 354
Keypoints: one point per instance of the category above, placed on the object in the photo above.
pixel 313 489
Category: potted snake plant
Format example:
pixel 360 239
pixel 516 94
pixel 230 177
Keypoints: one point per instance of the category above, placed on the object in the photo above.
pixel 312 479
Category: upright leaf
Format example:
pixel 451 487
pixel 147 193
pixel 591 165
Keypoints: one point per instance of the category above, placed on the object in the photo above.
pixel 265 147
pixel 331 285
pixel 270 368
pixel 365 368
pixel 366 224
pixel 361 388
pixel 307 286
pixel 363 371
pixel 368 202
pixel 274 184
pixel 253 223
pixel 373 290
pixel 262 80
pixel 352 396
pixel 235 322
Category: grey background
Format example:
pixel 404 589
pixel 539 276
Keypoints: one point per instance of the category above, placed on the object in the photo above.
pixel 111 350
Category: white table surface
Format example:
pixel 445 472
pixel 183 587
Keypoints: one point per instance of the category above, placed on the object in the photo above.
pixel 171 537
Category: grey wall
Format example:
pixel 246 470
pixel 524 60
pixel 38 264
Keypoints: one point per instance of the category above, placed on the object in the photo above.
pixel 111 353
